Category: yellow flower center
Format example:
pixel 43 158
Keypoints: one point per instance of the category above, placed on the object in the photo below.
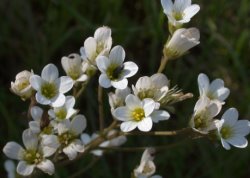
pixel 138 114
pixel 200 122
pixel 61 114
pixel 66 138
pixel 22 85
pixel 47 130
pixel 177 15
pixel 73 73
pixel 226 132
pixel 49 90
pixel 33 157
pixel 146 93
pixel 114 72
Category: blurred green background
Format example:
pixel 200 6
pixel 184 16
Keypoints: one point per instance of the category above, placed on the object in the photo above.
pixel 34 33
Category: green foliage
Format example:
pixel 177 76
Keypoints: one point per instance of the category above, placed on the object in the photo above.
pixel 34 33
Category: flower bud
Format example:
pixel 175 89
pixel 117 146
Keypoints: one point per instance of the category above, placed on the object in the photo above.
pixel 181 41
pixel 22 86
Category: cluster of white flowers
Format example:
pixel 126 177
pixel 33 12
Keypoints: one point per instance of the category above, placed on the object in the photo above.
pixel 209 105
pixel 55 132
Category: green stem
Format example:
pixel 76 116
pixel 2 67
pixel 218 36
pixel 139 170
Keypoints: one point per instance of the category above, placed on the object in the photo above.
pixel 164 61
pixel 161 133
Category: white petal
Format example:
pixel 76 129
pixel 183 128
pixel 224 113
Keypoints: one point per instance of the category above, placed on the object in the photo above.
pixel 104 81
pixel 242 128
pixel 50 141
pixel 148 106
pixel 145 125
pixel 36 113
pixel 85 138
pixel 30 139
pixel 65 83
pixel 122 114
pixel 63 126
pixel 70 151
pixel 48 151
pixel 159 115
pixel 230 116
pixel 133 102
pixel 222 93
pixel 130 69
pixel 167 6
pixel 41 99
pixel 203 83
pixel 117 55
pixel 70 102
pixel 102 34
pixel 50 73
pixel 90 47
pixel 120 84
pixel 58 101
pixel 51 113
pixel 24 169
pixel 180 5
pixel 128 126
pixel 46 166
pixel 102 63
pixel 13 150
pixel 143 83
pixel 65 64
pixel 82 78
pixel 190 11
pixel 36 82
pixel 240 142
pixel 225 144
pixel 34 126
pixel 78 124
pixel 70 113
pixel 159 80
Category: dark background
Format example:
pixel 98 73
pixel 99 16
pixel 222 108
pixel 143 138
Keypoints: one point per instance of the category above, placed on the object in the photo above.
pixel 34 33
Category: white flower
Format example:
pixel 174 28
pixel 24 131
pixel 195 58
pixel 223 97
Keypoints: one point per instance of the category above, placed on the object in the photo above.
pixel 117 141
pixel 9 166
pixel 72 65
pixel 34 156
pixel 118 98
pixel 114 71
pixel 36 126
pixel 50 89
pixel 67 138
pixel 100 44
pixel 204 112
pixel 139 114
pixel 214 90
pixel 147 167
pixel 181 41
pixel 22 86
pixel 179 12
pixel 231 131
pixel 155 87
pixel 65 111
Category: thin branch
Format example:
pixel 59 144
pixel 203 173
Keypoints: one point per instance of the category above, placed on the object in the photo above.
pixel 100 107
pixel 160 133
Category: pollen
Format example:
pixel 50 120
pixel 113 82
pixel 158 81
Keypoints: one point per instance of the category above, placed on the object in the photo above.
pixel 138 114
pixel 33 157
pixel 49 90
pixel 178 16
pixel 65 138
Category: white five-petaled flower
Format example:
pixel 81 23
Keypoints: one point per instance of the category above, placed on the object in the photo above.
pixel 139 113
pixel 72 65
pixel 155 87
pixel 231 131
pixel 181 41
pixel 179 12
pixel 68 137
pixel 22 86
pixel 118 98
pixel 65 111
pixel 147 167
pixel 34 156
pixel 204 112
pixel 100 44
pixel 36 125
pixel 114 71
pixel 50 89
pixel 214 90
